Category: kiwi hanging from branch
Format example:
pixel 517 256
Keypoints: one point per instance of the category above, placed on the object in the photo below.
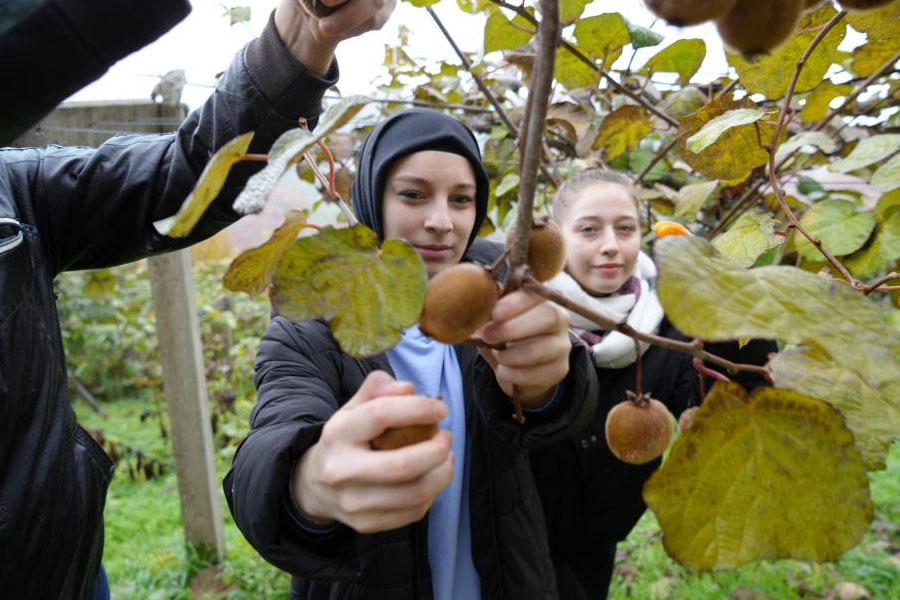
pixel 759 26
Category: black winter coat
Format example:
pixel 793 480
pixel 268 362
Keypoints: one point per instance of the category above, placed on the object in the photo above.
pixel 585 520
pixel 77 208
pixel 302 378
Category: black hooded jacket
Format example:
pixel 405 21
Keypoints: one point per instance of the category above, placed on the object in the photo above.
pixel 302 378
pixel 80 208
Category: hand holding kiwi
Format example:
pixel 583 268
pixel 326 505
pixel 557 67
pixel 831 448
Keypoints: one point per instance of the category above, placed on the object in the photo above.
pixel 317 9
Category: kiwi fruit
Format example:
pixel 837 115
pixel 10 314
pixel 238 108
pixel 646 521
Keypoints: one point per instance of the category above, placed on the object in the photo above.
pixel 397 437
pixel 683 13
pixel 546 248
pixel 758 26
pixel 458 301
pixel 686 418
pixel 317 9
pixel 639 429
pixel 863 4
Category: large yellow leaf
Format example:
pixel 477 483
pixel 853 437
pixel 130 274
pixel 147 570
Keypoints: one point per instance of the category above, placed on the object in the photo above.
pixel 602 37
pixel 623 129
pixel 707 296
pixel 770 74
pixel 683 57
pixel 868 400
pixel 368 294
pixel 818 100
pixel 713 130
pixel 751 236
pixel 873 54
pixel 502 34
pixel 773 475
pixel 572 73
pixel 838 224
pixel 252 270
pixel 736 152
pixel 206 189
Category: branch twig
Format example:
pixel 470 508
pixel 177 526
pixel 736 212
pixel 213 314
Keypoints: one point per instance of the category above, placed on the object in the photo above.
pixel 779 125
pixel 690 348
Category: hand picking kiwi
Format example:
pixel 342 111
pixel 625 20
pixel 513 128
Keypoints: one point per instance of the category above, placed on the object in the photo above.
pixel 546 249
pixel 458 301
pixel 397 437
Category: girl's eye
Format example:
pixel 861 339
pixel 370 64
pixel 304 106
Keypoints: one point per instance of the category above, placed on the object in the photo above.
pixel 626 228
pixel 411 194
pixel 587 229
pixel 462 200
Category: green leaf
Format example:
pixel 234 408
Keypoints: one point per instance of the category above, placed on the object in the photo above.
pixel 570 10
pixel 773 475
pixel 869 151
pixel 603 37
pixel 737 151
pixel 817 102
pixel 883 251
pixel 887 177
pixel 502 34
pixel 368 294
pixel 510 182
pixel 869 400
pixel 572 73
pixel 683 102
pixel 289 148
pixel 713 130
pixel 98 284
pixel 252 270
pixel 691 198
pixel 422 3
pixel 837 223
pixel 770 74
pixel 206 189
pixel 804 140
pixel 238 14
pixel 751 236
pixel 473 7
pixel 623 129
pixel 642 37
pixel 683 57
pixel 707 296
pixel 808 186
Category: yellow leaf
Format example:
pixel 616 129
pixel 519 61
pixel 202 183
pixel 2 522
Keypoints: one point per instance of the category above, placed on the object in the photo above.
pixel 502 34
pixel 770 74
pixel 367 293
pixel 572 73
pixel 623 129
pixel 736 152
pixel 751 236
pixel 206 189
pixel 869 57
pixel 869 400
pixel 773 475
pixel 878 22
pixel 713 130
pixel 817 101
pixel 252 270
pixel 683 57
pixel 602 37
pixel 570 10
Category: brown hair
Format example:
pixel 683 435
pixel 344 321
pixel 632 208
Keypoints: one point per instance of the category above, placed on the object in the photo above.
pixel 566 192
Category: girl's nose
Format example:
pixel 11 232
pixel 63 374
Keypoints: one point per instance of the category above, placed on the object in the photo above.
pixel 438 218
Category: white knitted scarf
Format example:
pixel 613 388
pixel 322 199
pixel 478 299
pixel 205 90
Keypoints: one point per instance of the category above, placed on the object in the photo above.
pixel 642 311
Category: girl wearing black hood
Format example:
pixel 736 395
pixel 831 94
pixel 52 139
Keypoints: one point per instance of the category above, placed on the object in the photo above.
pixel 453 517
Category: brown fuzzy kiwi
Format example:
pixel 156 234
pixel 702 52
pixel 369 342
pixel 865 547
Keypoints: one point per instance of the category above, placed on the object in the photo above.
pixel 686 418
pixel 758 26
pixel 639 429
pixel 317 9
pixel 458 301
pixel 683 13
pixel 546 249
pixel 863 4
pixel 397 437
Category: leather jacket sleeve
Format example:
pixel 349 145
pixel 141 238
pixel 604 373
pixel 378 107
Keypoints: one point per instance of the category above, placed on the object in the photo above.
pixel 95 208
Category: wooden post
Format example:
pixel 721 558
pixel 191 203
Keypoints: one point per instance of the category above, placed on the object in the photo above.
pixel 185 389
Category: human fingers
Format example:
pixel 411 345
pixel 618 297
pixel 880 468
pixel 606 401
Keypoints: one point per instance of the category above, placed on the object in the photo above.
pixel 385 467
pixel 541 318
pixel 534 351
pixel 378 383
pixel 369 420
pixel 351 17
pixel 531 381
pixel 420 493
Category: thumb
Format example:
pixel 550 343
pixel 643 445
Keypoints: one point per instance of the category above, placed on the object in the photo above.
pixel 376 384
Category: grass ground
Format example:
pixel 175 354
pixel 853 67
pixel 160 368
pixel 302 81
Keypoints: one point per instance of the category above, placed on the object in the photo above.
pixel 146 557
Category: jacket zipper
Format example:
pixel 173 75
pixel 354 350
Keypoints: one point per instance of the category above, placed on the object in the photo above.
pixel 13 243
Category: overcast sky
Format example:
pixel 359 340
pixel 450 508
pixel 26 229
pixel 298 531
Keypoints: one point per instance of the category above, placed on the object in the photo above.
pixel 204 43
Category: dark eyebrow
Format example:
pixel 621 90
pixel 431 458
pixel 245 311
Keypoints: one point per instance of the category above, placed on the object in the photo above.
pixel 424 182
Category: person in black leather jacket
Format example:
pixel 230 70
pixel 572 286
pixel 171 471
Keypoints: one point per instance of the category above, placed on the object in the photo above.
pixel 453 516
pixel 79 208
